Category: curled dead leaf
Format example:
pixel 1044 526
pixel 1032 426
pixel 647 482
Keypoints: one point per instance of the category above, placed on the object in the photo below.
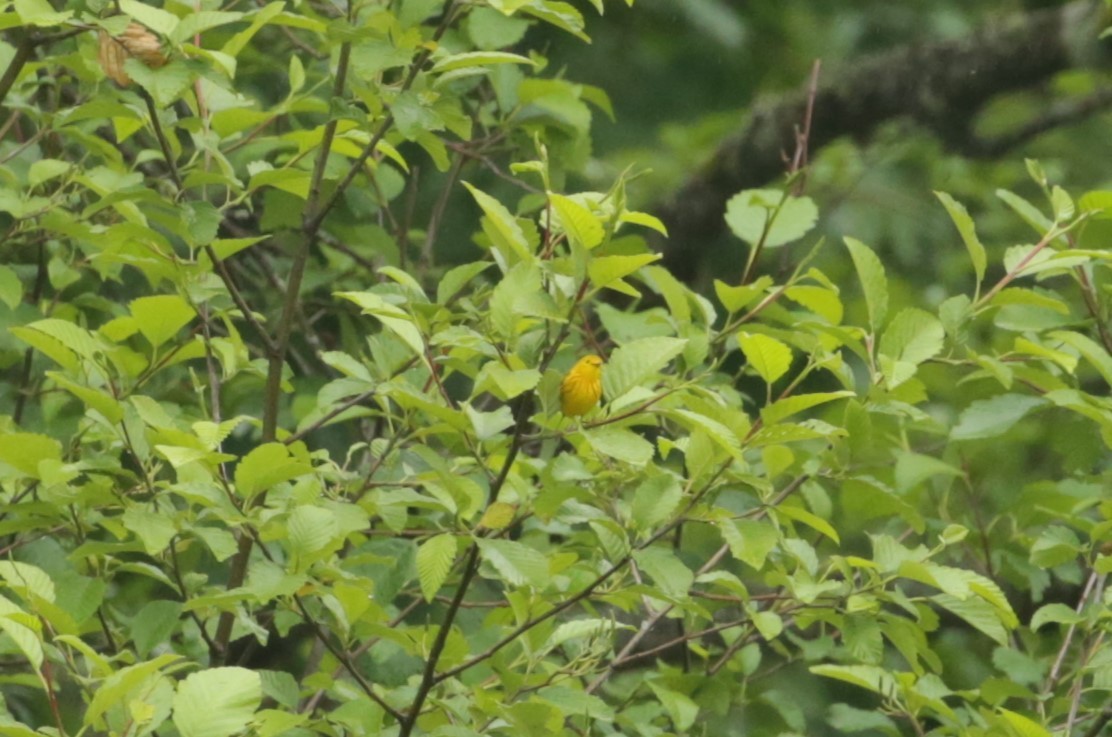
pixel 136 41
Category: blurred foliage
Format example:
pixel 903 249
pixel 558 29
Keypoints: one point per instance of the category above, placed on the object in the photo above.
pixel 285 309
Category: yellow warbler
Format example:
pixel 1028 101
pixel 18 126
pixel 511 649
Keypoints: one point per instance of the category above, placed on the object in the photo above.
pixel 582 387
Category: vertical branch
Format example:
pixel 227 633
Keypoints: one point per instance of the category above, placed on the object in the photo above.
pixel 24 50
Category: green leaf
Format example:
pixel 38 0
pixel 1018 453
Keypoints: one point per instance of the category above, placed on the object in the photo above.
pixel 505 384
pixel 976 612
pixel 1030 214
pixel 310 530
pixel 605 270
pixel 24 451
pixel 870 677
pixel 1055 546
pixel 913 336
pixel 749 211
pixel 504 231
pixel 478 59
pixel 520 298
pixel 26 578
pixel 434 561
pixel 1090 350
pixel 675 293
pixel 559 14
pixel 576 629
pixel 218 702
pixel 874 283
pixel 1056 613
pixel 11 288
pixel 262 17
pixel 988 418
pixel 519 564
pixel 294 181
pixel 456 279
pixel 154 530
pixel 1023 726
pixel 46 169
pixel 488 424
pixel 612 537
pixel 116 688
pixel 655 499
pixel 735 298
pixel 681 709
pixel 750 541
pixel 159 318
pixel 156 19
pixel 770 358
pixel 769 624
pixel 581 226
pixel 392 317
pixel 296 74
pixel 165 84
pixel 154 624
pixel 620 444
pixel 40 13
pixel 636 362
pixel 846 718
pixel 667 571
pixel 808 518
pixel 968 233
pixel 24 630
pixel 266 466
pixel 108 406
pixel 788 406
pixel 822 301
pixel 60 340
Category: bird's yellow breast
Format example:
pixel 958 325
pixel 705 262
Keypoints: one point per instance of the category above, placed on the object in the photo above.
pixel 582 387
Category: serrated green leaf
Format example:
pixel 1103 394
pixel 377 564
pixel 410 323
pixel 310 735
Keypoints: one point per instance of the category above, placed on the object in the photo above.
pixel 217 702
pixel 478 59
pixel 808 518
pixel 822 301
pixel 788 406
pixel 655 499
pixel 748 214
pixel 391 316
pixel 1089 349
pixel 27 579
pixel 750 541
pixel 770 358
pixel 968 232
pixel 637 362
pixel 519 564
pixel 488 424
pixel 581 226
pixel 154 624
pixel 310 529
pixel 874 283
pixel 620 444
pixel 976 612
pixel 107 405
pixel 160 317
pixel 1056 613
pixel 870 677
pixel 667 571
pixel 989 418
pixel 505 231
pixel 605 270
pixel 434 561
pixel 266 466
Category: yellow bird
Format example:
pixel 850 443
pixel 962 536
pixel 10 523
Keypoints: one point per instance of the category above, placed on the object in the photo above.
pixel 582 387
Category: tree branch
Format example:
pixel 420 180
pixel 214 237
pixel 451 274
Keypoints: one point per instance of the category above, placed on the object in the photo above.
pixel 941 85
